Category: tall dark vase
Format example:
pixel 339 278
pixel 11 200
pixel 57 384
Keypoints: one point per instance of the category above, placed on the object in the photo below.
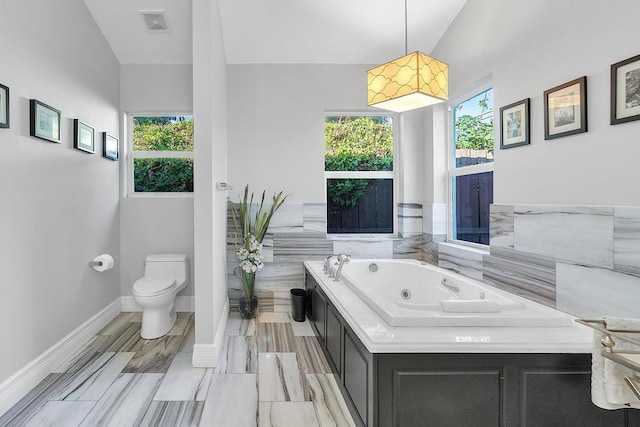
pixel 248 307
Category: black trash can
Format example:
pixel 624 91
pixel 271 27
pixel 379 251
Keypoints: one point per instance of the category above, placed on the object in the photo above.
pixel 298 301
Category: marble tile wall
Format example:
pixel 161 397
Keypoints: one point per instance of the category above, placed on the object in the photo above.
pixel 298 232
pixel 582 260
pixel 464 260
pixel 528 275
pixel 571 233
pixel 544 253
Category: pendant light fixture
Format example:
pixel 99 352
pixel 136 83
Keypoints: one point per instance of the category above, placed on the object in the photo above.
pixel 412 81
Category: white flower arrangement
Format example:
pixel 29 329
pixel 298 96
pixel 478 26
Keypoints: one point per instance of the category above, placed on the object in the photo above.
pixel 250 254
pixel 252 228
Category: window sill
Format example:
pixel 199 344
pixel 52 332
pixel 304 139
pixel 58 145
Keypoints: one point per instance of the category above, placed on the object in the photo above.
pixel 160 196
pixel 363 237
pixel 479 249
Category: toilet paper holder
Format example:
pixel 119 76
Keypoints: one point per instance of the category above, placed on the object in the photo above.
pixel 102 263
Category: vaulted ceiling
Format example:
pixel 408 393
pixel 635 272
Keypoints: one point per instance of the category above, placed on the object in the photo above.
pixel 279 31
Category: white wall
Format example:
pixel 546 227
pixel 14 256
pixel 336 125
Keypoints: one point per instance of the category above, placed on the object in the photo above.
pixel 532 46
pixel 153 224
pixel 410 154
pixel 210 207
pixel 59 205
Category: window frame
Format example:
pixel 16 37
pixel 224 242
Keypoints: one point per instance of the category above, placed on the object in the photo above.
pixel 453 171
pixel 131 155
pixel 392 174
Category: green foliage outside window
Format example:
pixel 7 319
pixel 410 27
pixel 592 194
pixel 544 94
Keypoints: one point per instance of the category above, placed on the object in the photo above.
pixel 475 131
pixel 162 174
pixel 474 134
pixel 163 134
pixel 356 144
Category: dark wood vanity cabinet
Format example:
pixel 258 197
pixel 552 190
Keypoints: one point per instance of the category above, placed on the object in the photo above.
pixel 351 362
pixel 457 389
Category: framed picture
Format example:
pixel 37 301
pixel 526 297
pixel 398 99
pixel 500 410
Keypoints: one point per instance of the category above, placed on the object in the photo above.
pixel 45 121
pixel 625 91
pixel 109 146
pixel 83 136
pixel 514 124
pixel 565 109
pixel 4 107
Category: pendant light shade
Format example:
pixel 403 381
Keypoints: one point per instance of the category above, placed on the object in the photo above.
pixel 413 81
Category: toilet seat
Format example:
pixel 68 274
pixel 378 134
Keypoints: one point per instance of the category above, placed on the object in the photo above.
pixel 153 286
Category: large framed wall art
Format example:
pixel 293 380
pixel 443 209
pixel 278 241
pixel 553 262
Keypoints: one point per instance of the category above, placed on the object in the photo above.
pixel 565 109
pixel 625 91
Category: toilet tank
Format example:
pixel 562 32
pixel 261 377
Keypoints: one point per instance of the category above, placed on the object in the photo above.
pixel 167 265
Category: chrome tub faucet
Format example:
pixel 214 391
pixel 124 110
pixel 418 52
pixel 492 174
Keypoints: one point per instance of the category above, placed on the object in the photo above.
pixel 342 260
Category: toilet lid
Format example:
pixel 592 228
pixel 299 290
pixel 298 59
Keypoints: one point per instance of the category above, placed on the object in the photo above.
pixel 152 286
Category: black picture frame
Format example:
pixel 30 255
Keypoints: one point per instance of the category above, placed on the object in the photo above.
pixel 45 121
pixel 565 109
pixel 4 107
pixel 625 90
pixel 84 137
pixel 110 149
pixel 514 124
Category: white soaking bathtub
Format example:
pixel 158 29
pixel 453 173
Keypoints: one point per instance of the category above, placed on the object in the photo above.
pixel 413 293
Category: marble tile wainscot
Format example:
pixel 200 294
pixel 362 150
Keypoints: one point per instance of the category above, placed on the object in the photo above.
pixel 581 259
pixel 298 233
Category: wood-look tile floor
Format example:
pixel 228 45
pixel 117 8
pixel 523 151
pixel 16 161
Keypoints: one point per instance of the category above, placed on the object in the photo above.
pixel 271 372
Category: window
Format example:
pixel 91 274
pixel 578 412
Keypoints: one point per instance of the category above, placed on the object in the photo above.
pixel 161 155
pixel 359 173
pixel 471 167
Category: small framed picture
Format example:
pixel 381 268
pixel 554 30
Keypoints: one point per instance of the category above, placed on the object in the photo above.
pixel 45 121
pixel 625 91
pixel 4 106
pixel 565 109
pixel 514 124
pixel 109 146
pixel 83 137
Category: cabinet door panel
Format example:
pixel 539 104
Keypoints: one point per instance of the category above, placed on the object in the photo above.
pixel 319 309
pixel 555 398
pixel 309 284
pixel 334 335
pixel 356 377
pixel 449 398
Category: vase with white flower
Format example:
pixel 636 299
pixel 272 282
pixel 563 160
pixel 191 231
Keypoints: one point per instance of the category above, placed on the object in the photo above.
pixel 250 231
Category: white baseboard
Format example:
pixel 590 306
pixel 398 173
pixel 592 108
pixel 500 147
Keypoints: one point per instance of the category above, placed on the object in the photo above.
pixel 187 304
pixel 19 384
pixel 206 355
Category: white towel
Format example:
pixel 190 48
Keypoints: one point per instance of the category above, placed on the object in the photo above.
pixel 598 396
pixel 608 388
pixel 616 389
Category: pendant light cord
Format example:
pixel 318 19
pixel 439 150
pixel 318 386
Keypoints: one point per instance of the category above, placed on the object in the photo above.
pixel 406 37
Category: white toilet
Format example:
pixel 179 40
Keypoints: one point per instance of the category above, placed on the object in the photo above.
pixel 164 276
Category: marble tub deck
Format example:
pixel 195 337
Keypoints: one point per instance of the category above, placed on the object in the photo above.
pixel 271 372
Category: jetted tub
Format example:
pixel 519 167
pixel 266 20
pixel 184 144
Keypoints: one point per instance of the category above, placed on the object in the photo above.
pixel 413 293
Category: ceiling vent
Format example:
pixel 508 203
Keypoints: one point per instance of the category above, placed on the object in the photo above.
pixel 155 20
